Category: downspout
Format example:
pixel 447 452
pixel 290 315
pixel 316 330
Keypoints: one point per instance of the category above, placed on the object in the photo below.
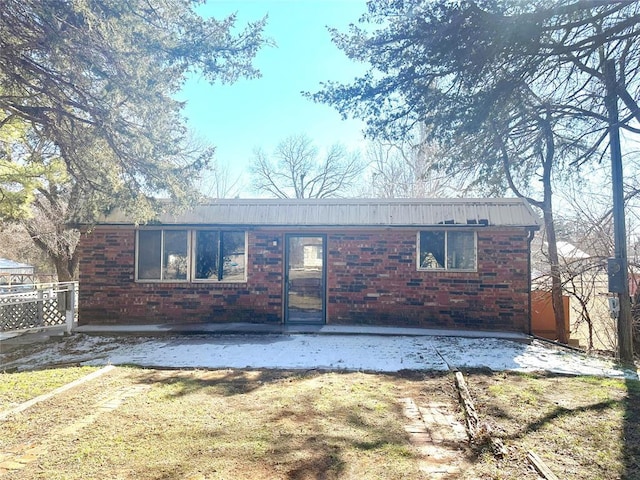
pixel 531 234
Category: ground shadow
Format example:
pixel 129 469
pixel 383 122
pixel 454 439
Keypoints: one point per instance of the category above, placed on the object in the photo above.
pixel 225 382
pixel 316 449
pixel 518 415
pixel 631 431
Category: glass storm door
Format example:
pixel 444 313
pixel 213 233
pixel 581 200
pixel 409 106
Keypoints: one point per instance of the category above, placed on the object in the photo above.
pixel 305 279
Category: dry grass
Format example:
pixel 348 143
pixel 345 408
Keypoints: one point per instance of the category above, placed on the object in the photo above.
pixel 17 388
pixel 230 424
pixel 581 427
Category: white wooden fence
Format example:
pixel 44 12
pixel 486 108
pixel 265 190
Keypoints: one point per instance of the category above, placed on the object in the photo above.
pixel 38 307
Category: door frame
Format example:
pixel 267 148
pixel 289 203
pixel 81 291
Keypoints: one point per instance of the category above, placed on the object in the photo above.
pixel 323 283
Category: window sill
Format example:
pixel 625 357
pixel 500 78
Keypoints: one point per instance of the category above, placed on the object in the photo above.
pixel 146 280
pixel 218 282
pixel 444 270
pixel 193 282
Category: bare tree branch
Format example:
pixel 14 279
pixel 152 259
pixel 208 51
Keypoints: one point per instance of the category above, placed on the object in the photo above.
pixel 296 170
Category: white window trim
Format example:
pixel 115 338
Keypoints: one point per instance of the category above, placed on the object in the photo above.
pixel 190 257
pixel 446 253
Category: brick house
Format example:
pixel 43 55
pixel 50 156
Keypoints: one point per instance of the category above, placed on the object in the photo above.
pixel 449 263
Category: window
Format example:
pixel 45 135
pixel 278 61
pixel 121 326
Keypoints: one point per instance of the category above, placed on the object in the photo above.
pixel 233 256
pixel 149 254
pixel 447 250
pixel 174 256
pixel 220 256
pixel 206 255
pixel 162 255
pixel 197 255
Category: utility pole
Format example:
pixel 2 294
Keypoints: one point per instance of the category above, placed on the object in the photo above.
pixel 617 266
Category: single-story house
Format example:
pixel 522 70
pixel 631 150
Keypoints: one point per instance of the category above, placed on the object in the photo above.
pixel 446 263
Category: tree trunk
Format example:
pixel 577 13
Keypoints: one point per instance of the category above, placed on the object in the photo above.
pixel 547 155
pixel 66 268
pixel 62 270
pixel 556 280
pixel 635 316
pixel 547 211
pixel 66 265
pixel 64 258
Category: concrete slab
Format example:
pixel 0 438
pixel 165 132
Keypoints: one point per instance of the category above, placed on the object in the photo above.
pixel 12 340
pixel 256 328
pixel 431 332
pixel 362 352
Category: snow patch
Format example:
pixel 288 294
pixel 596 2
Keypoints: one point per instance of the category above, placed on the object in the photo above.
pixel 378 353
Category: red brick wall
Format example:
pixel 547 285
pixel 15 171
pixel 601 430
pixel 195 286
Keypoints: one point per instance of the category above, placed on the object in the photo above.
pixel 371 279
pixel 109 294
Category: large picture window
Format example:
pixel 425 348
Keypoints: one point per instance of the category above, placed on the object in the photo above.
pixel 220 256
pixel 191 255
pixel 447 250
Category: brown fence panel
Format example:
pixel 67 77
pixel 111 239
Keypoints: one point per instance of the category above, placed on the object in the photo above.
pixel 543 322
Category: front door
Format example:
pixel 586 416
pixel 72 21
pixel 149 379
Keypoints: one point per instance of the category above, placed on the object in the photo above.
pixel 305 279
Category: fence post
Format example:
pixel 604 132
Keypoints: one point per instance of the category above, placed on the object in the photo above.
pixel 40 297
pixel 70 312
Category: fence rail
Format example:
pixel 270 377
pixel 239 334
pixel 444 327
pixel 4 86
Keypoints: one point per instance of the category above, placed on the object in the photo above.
pixel 38 306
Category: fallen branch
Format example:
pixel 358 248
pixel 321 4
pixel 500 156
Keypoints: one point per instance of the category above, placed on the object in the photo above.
pixel 478 433
pixel 540 466
pixel 467 403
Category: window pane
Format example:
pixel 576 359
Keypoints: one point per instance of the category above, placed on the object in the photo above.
pixel 175 255
pixel 206 255
pixel 461 251
pixel 431 250
pixel 233 256
pixel 149 254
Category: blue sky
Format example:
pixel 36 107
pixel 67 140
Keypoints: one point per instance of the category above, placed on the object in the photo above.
pixel 261 112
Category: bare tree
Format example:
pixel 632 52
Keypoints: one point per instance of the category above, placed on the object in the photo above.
pixel 584 242
pixel 583 279
pixel 295 170
pixel 409 168
pixel 52 229
pixel 217 181
pixel 16 244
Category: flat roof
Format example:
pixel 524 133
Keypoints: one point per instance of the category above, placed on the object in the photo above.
pixel 348 212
